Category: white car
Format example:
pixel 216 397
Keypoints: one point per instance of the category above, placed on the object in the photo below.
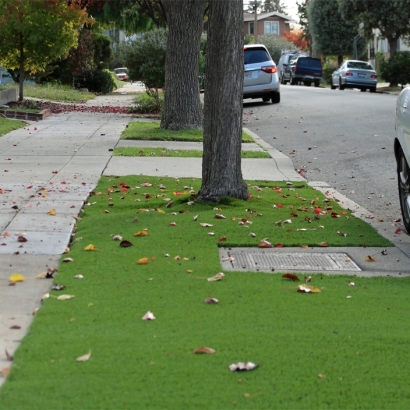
pixel 121 73
pixel 402 153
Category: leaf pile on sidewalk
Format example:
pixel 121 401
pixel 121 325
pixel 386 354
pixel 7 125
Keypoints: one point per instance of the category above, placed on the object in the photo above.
pixel 143 250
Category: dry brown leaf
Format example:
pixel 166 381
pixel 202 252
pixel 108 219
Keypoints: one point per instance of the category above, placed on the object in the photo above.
pixel 5 371
pixel 125 244
pixel 52 212
pixel 220 216
pixel 205 350
pixel 222 239
pixel 265 244
pixel 308 279
pixel 290 276
pixel 321 376
pixel 217 277
pixel 84 358
pixel 211 301
pixel 370 258
pixel 143 261
pixel 323 244
pixel 9 357
pixel 144 232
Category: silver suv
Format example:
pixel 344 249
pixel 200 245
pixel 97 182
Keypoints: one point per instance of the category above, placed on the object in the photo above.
pixel 261 78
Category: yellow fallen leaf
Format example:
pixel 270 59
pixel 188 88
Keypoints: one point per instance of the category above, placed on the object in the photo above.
pixel 160 211
pixel 84 358
pixel 52 212
pixel 144 232
pixel 143 261
pixel 189 270
pixel 16 277
pixel 90 247
pixel 308 289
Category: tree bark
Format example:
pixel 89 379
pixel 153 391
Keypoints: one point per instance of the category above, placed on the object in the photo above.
pixel 182 106
pixel 221 163
pixel 21 68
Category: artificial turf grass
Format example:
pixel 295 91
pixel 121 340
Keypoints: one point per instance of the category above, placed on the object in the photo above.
pixel 260 318
pixel 164 152
pixel 151 131
pixel 7 125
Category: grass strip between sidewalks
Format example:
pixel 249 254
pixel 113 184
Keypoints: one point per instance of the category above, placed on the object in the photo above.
pixel 151 131
pixel 320 350
pixel 185 153
pixel 7 125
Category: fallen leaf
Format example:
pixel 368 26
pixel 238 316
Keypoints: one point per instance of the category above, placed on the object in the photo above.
pixel 143 261
pixel 323 244
pixel 15 327
pixel 5 371
pixel 90 247
pixel 205 225
pixel 16 277
pixel 21 238
pixel 68 260
pixel 265 244
pixel 9 357
pixel 241 366
pixel 172 224
pixel 222 239
pixel 177 258
pixel 84 358
pixel 117 238
pixel 370 258
pixel 205 350
pixel 218 276
pixel 348 297
pixel 125 244
pixel 290 276
pixel 65 297
pixel 58 287
pixel 52 212
pixel 308 289
pixel 351 284
pixel 398 230
pixel 321 376
pixel 308 279
pixel 220 216
pixel 148 316
pixel 78 277
pixel 189 270
pixel 211 301
pixel 45 296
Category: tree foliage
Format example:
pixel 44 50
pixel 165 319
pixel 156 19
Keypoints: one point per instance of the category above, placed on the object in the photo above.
pixel 34 33
pixel 297 38
pixel 395 70
pixel 391 17
pixel 304 23
pixel 266 6
pixel 275 45
pixel 331 34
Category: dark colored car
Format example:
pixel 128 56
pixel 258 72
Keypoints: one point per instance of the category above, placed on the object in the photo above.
pixel 305 69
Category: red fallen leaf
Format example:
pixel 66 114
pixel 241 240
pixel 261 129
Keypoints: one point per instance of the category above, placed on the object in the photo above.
pixel 279 205
pixel 398 230
pixel 335 215
pixel 125 244
pixel 279 245
pixel 318 210
pixel 222 239
pixel 148 196
pixel 15 327
pixel 122 183
pixel 123 189
pixel 293 214
pixel 290 276
pixel 172 224
pixel 250 196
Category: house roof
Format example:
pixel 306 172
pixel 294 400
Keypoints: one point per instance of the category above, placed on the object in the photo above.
pixel 262 16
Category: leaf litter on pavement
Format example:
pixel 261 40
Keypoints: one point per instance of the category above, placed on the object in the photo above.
pixel 166 272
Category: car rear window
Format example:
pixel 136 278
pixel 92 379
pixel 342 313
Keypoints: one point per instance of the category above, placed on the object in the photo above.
pixel 309 62
pixel 358 64
pixel 256 55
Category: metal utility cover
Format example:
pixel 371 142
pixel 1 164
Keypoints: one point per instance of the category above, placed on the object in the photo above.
pixel 270 260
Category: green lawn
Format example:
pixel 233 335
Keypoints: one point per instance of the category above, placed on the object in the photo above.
pixel 7 125
pixel 163 152
pixel 151 131
pixel 321 350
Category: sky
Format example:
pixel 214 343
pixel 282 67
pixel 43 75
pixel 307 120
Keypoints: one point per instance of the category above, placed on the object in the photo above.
pixel 292 8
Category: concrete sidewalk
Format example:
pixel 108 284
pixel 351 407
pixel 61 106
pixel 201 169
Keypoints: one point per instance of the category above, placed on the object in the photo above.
pixel 55 163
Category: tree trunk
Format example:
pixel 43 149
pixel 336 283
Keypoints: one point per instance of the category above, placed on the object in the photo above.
pixel 21 73
pixel 182 107
pixel 393 47
pixel 339 60
pixel 221 163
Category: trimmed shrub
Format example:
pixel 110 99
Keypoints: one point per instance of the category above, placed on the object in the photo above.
pixel 275 45
pixel 98 81
pixel 396 70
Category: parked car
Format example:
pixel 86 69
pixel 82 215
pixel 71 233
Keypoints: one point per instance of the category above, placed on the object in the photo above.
pixel 402 153
pixel 283 64
pixel 121 73
pixel 261 78
pixel 355 74
pixel 305 69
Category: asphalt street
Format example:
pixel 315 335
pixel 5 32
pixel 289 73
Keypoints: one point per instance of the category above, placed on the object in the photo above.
pixel 344 138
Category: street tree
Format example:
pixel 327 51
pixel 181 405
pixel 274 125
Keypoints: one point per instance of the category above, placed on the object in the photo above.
pixel 331 34
pixel 297 38
pixel 182 105
pixel 221 163
pixel 391 17
pixel 35 33
pixel 304 23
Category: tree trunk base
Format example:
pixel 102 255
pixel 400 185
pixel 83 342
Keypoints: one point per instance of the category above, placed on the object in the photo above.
pixel 210 194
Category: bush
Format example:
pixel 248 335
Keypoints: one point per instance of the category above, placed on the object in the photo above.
pixel 147 104
pixel 395 70
pixel 99 81
pixel 275 45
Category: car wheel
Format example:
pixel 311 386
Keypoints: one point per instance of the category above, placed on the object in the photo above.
pixel 317 83
pixel 363 90
pixel 282 80
pixel 308 83
pixel 292 80
pixel 265 99
pixel 332 87
pixel 275 97
pixel 372 89
pixel 403 175
pixel 341 86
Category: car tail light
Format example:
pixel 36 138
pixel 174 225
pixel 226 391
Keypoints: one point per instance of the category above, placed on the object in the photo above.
pixel 295 68
pixel 373 76
pixel 270 69
pixel 349 74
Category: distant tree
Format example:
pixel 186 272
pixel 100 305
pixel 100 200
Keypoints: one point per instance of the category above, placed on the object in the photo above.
pixel 265 6
pixel 275 45
pixel 304 23
pixel 391 17
pixel 34 33
pixel 331 34
pixel 296 37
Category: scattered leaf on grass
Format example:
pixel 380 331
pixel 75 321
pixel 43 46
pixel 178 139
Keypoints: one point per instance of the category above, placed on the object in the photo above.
pixel 16 277
pixel 45 296
pixel 172 224
pixel 148 316
pixel 143 261
pixel 195 217
pixel 57 286
pixel 218 276
pixel 84 358
pixel 308 289
pixel 351 284
pixel 117 238
pixel 370 258
pixel 68 260
pixel 220 216
pixel 323 244
pixel 90 247
pixel 348 297
pixel 78 277
pixel 211 301
pixel 321 376
pixel 290 276
pixel 241 366
pixel 65 297
pixel 265 244
pixel 308 279
pixel 5 371
pixel 222 239
pixel 204 350
pixel 144 232
pixel 205 225
pixel 125 244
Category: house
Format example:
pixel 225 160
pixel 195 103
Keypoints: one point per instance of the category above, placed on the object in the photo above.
pixel 267 23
